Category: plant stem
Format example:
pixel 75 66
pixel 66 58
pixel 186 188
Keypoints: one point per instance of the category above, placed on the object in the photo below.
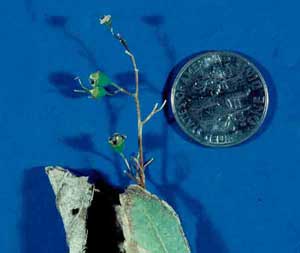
pixel 141 174
pixel 140 123
pixel 121 89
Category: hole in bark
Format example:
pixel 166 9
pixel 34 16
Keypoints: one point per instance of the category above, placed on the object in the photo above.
pixel 75 211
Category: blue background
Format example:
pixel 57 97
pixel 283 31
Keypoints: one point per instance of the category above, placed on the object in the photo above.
pixel 240 199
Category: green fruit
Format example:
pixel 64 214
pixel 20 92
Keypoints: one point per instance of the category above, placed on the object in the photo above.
pixel 98 92
pixel 99 79
pixel 117 142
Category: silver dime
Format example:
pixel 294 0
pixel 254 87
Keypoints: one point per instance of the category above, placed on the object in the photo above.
pixel 219 98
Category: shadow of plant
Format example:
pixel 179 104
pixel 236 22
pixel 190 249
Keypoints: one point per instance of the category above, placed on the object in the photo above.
pixel 29 7
pixel 127 80
pixel 156 22
pixel 152 141
pixel 84 143
pixel 207 237
pixel 61 24
pixel 56 21
pixel 65 84
pixel 153 20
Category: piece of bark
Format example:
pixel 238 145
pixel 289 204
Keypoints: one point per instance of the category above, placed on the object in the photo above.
pixel 148 224
pixel 74 196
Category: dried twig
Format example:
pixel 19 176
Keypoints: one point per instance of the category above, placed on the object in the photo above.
pixel 154 111
pixel 84 89
pixel 126 161
pixel 121 89
pixel 140 166
pixel 148 163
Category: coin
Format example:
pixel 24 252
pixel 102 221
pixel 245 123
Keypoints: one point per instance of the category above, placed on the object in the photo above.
pixel 219 98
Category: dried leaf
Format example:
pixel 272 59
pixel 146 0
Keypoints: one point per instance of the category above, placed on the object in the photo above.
pixel 73 198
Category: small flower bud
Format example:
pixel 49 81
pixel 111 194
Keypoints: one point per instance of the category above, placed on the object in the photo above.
pixel 106 20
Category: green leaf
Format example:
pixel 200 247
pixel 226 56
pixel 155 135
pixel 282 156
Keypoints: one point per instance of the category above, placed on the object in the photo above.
pixel 149 224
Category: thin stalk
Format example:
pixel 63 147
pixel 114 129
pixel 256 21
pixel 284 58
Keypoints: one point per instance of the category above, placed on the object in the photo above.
pixel 121 89
pixel 141 173
pixel 140 123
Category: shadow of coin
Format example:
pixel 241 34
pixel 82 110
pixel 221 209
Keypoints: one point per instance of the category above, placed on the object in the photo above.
pixel 167 96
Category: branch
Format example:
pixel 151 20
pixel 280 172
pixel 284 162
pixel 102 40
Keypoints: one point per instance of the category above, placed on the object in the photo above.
pixel 84 89
pixel 122 89
pixel 154 111
pixel 128 172
pixel 106 20
pixel 119 38
pixel 134 179
pixel 127 51
pixel 125 161
pixel 136 163
pixel 136 75
pixel 148 163
pixel 133 60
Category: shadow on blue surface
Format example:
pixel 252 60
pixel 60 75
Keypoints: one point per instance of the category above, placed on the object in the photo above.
pixel 84 143
pixel 127 80
pixel 56 21
pixel 153 20
pixel 156 22
pixel 64 84
pixel 60 23
pixel 30 10
pixel 41 227
pixel 207 237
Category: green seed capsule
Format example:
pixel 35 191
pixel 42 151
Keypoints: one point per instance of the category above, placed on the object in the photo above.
pixel 98 92
pixel 117 142
pixel 99 79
